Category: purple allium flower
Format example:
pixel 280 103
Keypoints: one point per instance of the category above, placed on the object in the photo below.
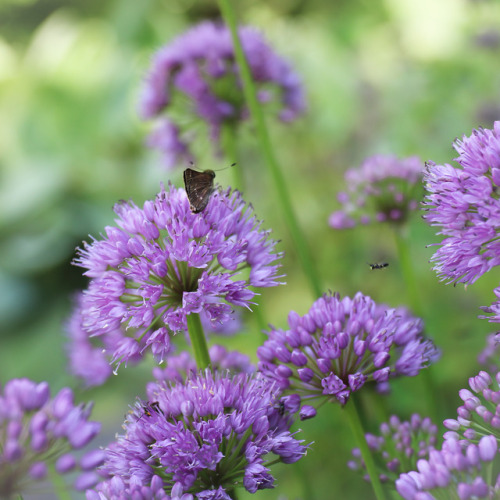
pixel 205 437
pixel 384 188
pixel 480 412
pixel 341 344
pixel 458 470
pixel 463 202
pixel 37 432
pixel 182 366
pixel 398 447
pixel 489 357
pixel 163 262
pixel 196 75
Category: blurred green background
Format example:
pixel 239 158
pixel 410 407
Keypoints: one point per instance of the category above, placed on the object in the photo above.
pixel 394 76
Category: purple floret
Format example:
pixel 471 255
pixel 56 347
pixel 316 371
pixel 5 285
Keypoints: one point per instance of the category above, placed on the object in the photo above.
pixel 340 345
pixel 163 263
pixel 204 437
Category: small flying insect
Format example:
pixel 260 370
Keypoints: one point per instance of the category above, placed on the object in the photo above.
pixel 199 187
pixel 378 266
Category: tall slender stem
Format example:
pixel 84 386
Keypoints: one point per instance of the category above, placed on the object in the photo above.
pixel 249 90
pixel 198 341
pixel 407 269
pixel 352 414
pixel 434 404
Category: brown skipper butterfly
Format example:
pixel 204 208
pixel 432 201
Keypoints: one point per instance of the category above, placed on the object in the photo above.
pixel 199 188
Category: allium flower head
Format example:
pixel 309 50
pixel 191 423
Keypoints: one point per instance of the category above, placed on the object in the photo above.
pixel 463 202
pixel 181 366
pixel 163 263
pixel 384 188
pixel 341 344
pixel 480 412
pixel 458 470
pixel 196 75
pixel 398 447
pixel 205 437
pixel 37 432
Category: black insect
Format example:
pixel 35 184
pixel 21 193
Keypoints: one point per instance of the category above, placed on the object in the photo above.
pixel 378 266
pixel 199 188
pixel 149 408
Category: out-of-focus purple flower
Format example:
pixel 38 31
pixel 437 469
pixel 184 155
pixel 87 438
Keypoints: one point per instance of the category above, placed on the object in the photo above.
pixel 398 447
pixel 115 488
pixel 196 75
pixel 204 437
pixel 182 366
pixel 458 470
pixel 384 188
pixel 163 262
pixel 463 202
pixel 37 432
pixel 86 360
pixel 480 412
pixel 341 344
pixel 489 357
pixel 165 137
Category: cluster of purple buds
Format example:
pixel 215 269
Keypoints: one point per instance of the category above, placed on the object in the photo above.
pixel 38 433
pixel 384 188
pixel 164 262
pixel 398 447
pixel 205 437
pixel 459 470
pixel 463 202
pixel 196 75
pixel 182 366
pixel 480 412
pixel 340 345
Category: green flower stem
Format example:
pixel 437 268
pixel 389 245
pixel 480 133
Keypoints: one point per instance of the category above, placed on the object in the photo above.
pixel 60 487
pixel 434 403
pixel 405 260
pixel 249 90
pixel 198 341
pixel 357 428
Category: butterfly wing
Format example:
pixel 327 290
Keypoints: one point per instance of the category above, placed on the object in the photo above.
pixel 199 187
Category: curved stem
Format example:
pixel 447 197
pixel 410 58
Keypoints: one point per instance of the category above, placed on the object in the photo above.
pixel 282 193
pixel 198 341
pixel 357 428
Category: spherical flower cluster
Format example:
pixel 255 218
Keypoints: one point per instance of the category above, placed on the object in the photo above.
pixel 182 366
pixel 340 345
pixel 480 412
pixel 489 357
pixel 204 438
pixel 196 75
pixel 458 470
pixel 398 447
pixel 163 263
pixel 384 188
pixel 463 202
pixel 38 433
